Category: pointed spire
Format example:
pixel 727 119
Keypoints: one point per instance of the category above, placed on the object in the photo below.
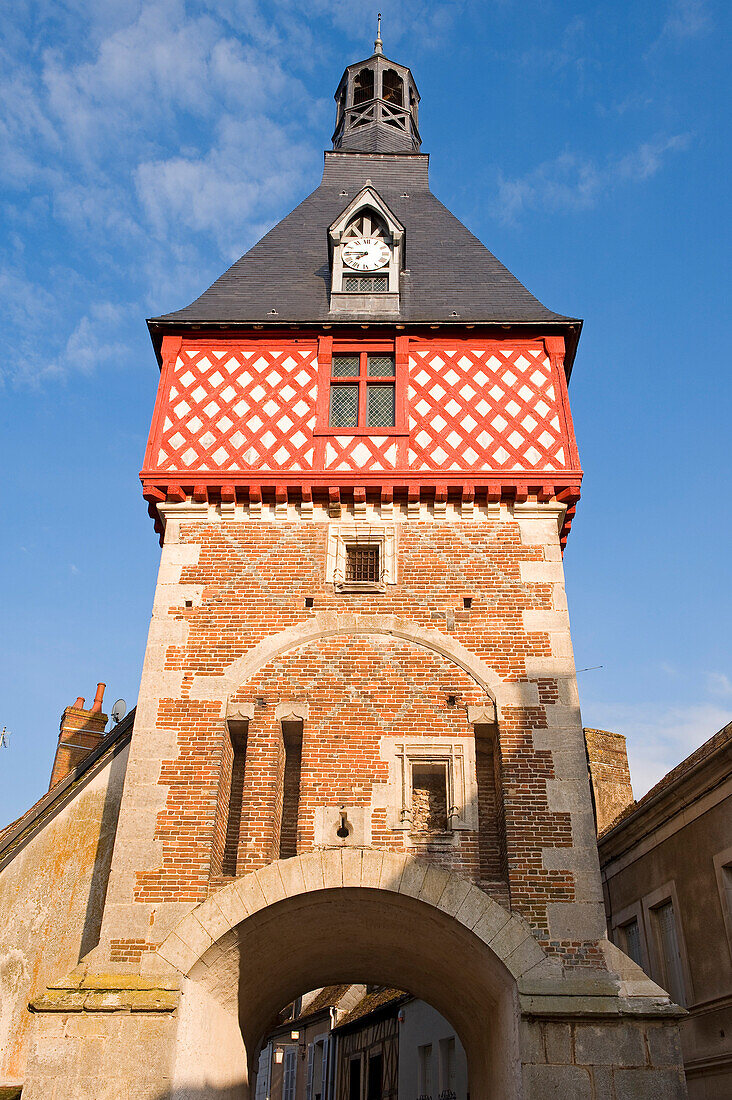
pixel 378 44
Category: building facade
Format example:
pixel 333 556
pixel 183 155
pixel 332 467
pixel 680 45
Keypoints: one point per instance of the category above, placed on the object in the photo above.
pixel 667 877
pixel 358 753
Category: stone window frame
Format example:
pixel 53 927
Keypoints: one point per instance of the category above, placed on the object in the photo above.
pixel 450 753
pixel 722 863
pixel 624 917
pixel 341 536
pixel 652 901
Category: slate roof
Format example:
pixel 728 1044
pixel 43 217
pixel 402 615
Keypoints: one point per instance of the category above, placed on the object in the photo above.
pixel 452 277
pixel 372 1002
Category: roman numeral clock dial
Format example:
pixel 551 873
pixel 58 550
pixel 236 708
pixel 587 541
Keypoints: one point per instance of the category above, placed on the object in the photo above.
pixel 366 254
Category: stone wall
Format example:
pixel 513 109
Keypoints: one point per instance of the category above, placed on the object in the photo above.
pixel 612 790
pixel 51 900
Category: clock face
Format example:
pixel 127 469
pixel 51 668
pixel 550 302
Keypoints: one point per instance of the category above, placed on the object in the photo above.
pixel 366 254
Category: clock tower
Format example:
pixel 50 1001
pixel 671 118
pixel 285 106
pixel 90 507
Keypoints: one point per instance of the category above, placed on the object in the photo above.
pixel 358 753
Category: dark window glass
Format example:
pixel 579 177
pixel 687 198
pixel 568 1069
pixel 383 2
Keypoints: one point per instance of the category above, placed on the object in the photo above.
pixel 380 366
pixel 362 563
pixel 345 366
pixel 344 406
pixel 380 406
pixel 366 284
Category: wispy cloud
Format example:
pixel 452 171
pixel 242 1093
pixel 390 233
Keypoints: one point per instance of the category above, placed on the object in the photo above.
pixel 572 182
pixel 718 683
pixel 658 738
pixel 687 19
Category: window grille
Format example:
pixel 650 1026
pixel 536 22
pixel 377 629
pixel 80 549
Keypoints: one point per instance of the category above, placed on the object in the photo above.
pixel 345 366
pixel 362 564
pixel 368 398
pixel 344 406
pixel 366 284
pixel 380 366
pixel 380 411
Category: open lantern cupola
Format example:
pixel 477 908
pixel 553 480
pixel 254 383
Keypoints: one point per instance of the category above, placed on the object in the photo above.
pixel 366 245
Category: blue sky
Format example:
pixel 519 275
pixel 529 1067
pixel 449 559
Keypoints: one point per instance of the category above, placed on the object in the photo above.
pixel 143 147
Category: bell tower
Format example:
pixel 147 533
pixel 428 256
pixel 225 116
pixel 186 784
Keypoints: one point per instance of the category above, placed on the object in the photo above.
pixel 377 105
pixel 358 752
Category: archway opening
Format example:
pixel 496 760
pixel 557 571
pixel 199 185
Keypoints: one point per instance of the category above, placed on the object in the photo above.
pixel 368 937
pixel 360 1042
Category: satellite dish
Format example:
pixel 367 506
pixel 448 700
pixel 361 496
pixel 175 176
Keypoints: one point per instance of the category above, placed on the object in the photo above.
pixel 119 710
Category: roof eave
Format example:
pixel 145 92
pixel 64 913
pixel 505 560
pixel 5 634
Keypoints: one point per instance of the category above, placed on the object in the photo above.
pixel 571 327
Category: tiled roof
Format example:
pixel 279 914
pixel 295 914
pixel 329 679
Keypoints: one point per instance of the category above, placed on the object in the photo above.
pixel 714 745
pixel 452 277
pixel 370 1002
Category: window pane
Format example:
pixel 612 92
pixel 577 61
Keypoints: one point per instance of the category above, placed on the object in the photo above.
pixel 380 403
pixel 377 284
pixel 345 366
pixel 362 563
pixel 631 933
pixel 343 406
pixel 669 946
pixel 381 366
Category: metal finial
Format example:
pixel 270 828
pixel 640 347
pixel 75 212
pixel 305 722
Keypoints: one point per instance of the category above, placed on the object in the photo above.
pixel 378 44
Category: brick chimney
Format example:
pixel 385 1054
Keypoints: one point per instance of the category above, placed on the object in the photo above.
pixel 607 760
pixel 81 731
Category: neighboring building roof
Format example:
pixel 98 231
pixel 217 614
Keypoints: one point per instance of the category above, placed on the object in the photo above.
pixel 373 1002
pixel 16 835
pixel 451 276
pixel 718 745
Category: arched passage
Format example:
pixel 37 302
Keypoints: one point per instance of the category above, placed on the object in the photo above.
pixel 358 915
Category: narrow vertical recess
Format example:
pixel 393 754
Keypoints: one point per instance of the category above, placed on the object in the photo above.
pixel 292 740
pixel 238 735
pixel 491 848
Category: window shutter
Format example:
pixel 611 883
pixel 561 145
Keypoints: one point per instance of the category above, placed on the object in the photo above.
pixel 311 1063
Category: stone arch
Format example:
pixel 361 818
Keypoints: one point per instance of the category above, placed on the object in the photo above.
pixel 357 915
pixel 328 624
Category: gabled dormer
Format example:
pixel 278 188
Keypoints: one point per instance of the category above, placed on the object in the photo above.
pixel 366 246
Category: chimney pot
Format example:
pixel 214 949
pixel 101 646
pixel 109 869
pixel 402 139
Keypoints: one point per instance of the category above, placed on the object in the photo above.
pixel 79 704
pixel 98 698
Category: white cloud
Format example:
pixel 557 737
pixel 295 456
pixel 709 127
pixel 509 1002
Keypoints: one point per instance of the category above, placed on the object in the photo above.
pixel 571 182
pixel 718 683
pixel 658 738
pixel 687 19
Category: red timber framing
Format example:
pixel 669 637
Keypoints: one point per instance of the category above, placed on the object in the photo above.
pixel 245 417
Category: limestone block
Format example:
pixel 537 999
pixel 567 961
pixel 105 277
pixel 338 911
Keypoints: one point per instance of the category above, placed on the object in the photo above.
pixel 575 920
pixel 212 919
pixel 556 1083
pixel 194 935
pixel 371 867
pixel 509 937
pixel 230 904
pixel 332 868
pixel 473 908
pixel 251 893
pixel 525 957
pixel 312 870
pixel 453 895
pixel 292 877
pixel 532 1043
pixel 649 1084
pixel 609 1045
pixel 558 1039
pixel 351 858
pixel 492 920
pixel 664 1045
pixel 392 871
pixel 434 884
pixel 271 883
pixel 412 878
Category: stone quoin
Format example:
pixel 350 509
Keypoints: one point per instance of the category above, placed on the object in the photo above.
pixel 357 752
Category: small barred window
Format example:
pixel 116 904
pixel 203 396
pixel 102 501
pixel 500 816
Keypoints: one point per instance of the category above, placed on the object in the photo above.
pixel 366 284
pixel 362 565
